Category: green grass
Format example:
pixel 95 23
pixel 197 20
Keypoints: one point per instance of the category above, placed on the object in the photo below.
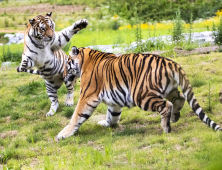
pixel 137 142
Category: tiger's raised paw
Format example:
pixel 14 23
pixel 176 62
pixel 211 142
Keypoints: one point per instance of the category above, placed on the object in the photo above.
pixel 80 25
pixel 103 123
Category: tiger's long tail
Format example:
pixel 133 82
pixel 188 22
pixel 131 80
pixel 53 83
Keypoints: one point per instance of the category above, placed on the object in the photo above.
pixel 185 85
pixel 31 71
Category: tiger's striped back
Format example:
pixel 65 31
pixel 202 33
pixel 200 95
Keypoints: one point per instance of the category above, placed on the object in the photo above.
pixel 143 80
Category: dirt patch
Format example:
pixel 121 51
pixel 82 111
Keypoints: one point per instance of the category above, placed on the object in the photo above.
pixel 146 147
pixel 2 148
pixel 138 126
pixel 190 114
pixel 177 147
pixel 201 50
pixel 42 9
pixel 8 119
pixel 95 145
pixel 12 133
pixel 181 52
pixel 34 162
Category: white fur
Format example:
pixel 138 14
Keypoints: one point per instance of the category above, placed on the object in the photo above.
pixel 45 58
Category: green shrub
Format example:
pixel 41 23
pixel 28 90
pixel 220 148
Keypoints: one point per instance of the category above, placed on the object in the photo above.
pixel 177 28
pixel 115 25
pixel 190 45
pixel 16 116
pixel 217 32
pixel 164 9
pixel 2 39
pixel 6 23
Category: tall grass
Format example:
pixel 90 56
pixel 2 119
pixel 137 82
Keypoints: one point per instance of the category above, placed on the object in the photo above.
pixel 11 53
pixel 177 28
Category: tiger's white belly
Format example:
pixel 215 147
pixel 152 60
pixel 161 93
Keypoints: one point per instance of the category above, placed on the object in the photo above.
pixel 116 98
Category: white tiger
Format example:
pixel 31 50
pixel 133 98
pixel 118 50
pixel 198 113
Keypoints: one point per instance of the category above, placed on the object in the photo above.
pixel 42 49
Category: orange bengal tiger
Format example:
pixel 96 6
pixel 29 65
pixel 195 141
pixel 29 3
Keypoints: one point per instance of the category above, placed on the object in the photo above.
pixel 129 80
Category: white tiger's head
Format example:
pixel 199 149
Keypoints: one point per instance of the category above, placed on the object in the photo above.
pixel 42 27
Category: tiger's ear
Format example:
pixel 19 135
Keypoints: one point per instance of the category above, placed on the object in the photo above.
pixel 32 21
pixel 75 50
pixel 49 14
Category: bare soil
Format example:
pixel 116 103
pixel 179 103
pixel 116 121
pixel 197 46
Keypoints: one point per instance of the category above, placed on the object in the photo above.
pixel 42 9
pixel 12 133
pixel 181 52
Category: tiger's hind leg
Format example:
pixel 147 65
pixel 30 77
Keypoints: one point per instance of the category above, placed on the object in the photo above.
pixel 112 116
pixel 155 103
pixel 70 95
pixel 52 88
pixel 178 101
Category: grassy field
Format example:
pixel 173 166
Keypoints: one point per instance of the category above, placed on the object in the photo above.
pixel 27 136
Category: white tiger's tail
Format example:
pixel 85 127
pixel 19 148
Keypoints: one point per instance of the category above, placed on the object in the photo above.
pixel 31 71
pixel 185 85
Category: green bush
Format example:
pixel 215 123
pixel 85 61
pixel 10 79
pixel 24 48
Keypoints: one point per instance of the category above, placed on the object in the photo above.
pixel 16 116
pixel 2 39
pixel 115 25
pixel 217 32
pixel 177 28
pixel 164 9
pixel 6 23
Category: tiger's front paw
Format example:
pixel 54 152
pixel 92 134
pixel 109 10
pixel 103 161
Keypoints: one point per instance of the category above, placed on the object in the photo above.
pixel 103 123
pixel 80 25
pixel 69 102
pixel 50 113
pixel 69 99
pixel 66 132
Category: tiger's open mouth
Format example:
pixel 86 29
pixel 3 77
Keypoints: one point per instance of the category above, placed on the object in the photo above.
pixel 47 39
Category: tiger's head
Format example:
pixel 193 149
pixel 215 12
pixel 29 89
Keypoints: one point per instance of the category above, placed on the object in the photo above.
pixel 72 65
pixel 42 27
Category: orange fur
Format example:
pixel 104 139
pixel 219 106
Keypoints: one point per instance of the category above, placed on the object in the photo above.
pixel 129 80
